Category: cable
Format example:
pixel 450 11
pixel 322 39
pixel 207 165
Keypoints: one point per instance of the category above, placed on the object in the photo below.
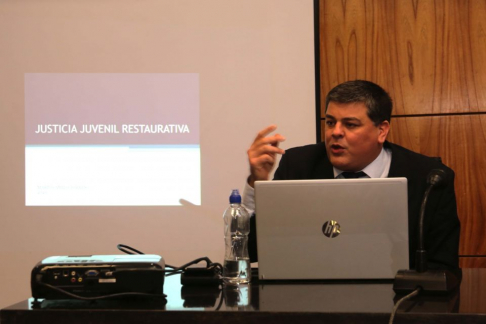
pixel 142 270
pixel 221 298
pixel 218 268
pixel 99 297
pixel 209 264
pixel 395 308
pixel 182 267
pixel 126 249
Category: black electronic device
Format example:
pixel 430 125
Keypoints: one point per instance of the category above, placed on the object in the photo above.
pixel 62 277
pixel 200 276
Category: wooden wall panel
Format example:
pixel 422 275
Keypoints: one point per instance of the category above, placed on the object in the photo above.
pixel 477 26
pixel 461 142
pixel 429 54
pixel 473 262
pixel 473 291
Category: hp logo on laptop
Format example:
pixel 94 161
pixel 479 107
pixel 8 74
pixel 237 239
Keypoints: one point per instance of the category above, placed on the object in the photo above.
pixel 331 229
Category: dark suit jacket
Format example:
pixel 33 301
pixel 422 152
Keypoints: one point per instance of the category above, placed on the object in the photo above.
pixel 441 224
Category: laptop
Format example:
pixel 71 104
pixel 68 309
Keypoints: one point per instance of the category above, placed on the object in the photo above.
pixel 332 229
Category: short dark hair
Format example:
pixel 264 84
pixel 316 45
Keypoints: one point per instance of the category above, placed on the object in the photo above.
pixel 374 97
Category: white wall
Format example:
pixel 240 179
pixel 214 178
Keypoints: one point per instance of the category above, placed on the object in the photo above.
pixel 255 60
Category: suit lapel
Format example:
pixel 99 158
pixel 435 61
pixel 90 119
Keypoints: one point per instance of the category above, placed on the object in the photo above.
pixel 396 165
pixel 323 169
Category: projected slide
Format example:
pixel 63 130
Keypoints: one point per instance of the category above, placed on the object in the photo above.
pixel 112 139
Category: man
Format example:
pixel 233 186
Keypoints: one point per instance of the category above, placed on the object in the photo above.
pixel 358 117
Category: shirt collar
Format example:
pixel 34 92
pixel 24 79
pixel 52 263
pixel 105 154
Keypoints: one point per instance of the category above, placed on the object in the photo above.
pixel 379 168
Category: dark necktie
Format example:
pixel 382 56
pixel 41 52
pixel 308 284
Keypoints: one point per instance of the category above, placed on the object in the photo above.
pixel 353 175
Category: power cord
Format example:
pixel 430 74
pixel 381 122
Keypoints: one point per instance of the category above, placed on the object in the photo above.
pixel 209 265
pixel 407 297
pixel 217 267
pixel 126 249
pixel 221 298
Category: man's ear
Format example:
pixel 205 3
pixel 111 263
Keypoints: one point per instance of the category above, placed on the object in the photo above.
pixel 383 128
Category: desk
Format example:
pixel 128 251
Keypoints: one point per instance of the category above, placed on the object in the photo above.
pixel 260 302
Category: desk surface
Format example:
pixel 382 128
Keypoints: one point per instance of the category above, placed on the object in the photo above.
pixel 334 302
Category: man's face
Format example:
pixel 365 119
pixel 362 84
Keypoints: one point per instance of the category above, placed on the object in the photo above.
pixel 352 139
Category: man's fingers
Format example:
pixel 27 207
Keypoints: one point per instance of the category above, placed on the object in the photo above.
pixel 264 149
pixel 277 139
pixel 264 132
pixel 261 160
pixel 270 140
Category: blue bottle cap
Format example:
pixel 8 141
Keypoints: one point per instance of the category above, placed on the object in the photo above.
pixel 235 197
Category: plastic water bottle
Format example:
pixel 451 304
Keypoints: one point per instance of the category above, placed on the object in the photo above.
pixel 236 268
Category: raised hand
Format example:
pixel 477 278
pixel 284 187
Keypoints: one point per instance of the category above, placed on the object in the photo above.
pixel 262 154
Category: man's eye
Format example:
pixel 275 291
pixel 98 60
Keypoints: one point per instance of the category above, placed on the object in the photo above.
pixel 351 126
pixel 330 123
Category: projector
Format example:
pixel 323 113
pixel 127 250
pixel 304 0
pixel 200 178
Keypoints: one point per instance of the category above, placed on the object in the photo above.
pixel 97 275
